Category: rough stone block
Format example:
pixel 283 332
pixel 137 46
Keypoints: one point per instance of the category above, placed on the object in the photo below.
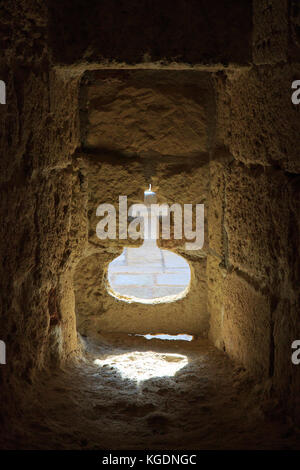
pixel 246 324
pixel 216 233
pixel 147 112
pixel 256 223
pixel 285 375
pixel 270 31
pixel 264 124
pixel 215 299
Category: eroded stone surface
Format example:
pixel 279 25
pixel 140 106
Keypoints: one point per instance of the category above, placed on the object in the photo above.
pixel 147 112
pixel 262 124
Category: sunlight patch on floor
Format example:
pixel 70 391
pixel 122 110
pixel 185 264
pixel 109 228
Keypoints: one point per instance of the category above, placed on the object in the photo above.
pixel 140 366
pixel 180 337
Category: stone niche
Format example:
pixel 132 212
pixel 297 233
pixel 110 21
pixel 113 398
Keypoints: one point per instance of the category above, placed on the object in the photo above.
pixel 138 127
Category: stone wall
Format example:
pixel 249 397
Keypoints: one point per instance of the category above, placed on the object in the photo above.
pixel 253 267
pixel 138 127
pixel 40 235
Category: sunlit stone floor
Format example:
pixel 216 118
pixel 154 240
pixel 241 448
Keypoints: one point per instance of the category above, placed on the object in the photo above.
pixel 188 396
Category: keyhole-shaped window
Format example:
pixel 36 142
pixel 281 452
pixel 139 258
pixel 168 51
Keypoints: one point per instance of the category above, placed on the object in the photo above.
pixel 149 274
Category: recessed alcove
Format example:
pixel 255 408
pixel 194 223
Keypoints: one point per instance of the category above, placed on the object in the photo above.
pixel 156 126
